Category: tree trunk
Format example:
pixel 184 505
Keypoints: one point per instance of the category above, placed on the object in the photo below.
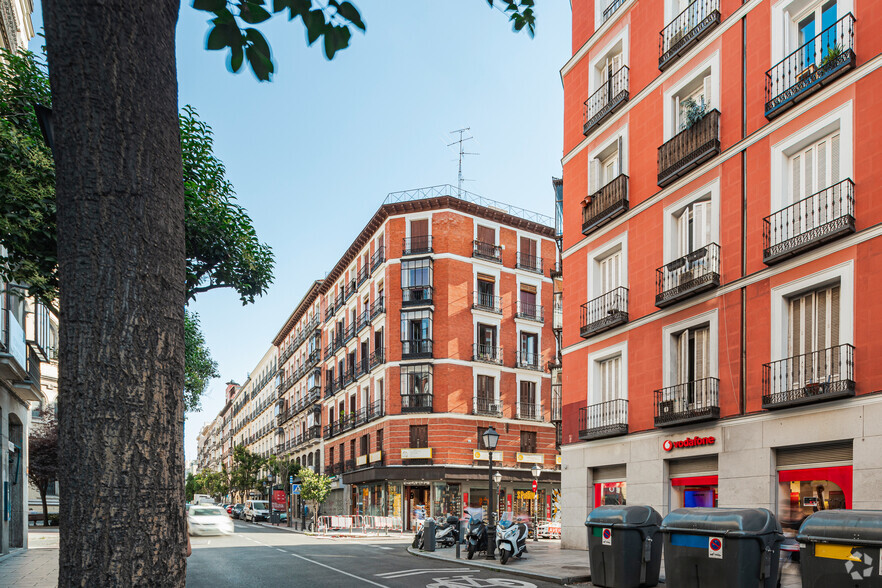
pixel 121 269
pixel 43 488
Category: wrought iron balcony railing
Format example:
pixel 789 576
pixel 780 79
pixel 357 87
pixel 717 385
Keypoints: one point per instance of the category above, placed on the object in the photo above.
pixel 529 411
pixel 416 295
pixel 378 358
pixel 611 9
pixel 416 403
pixel 689 148
pixel 556 402
pixel 530 361
pixel 531 263
pixel 487 302
pixel 604 419
pixel 351 287
pixel 604 312
pixel 815 63
pixel 686 29
pixel 417 245
pixel 363 274
pixel 812 221
pixel 487 406
pixel 487 353
pixel 556 270
pixel 378 307
pixel 605 204
pixel 557 311
pixel 487 251
pixel 826 374
pixel 694 401
pixel 530 311
pixel 606 99
pixel 378 257
pixel 686 276
pixel 416 348
pixel 363 320
pixel 348 332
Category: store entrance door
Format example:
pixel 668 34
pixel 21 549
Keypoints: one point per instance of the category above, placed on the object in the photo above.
pixel 416 505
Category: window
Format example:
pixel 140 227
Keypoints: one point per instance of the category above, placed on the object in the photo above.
pixel 330 455
pixel 529 348
pixel 814 328
pixel 694 227
pixel 610 371
pixel 419 436
pixel 527 400
pixel 486 235
pixel 527 301
pixel 416 380
pixel 610 271
pixel 416 280
pixel 528 441
pixel 419 235
pixel 608 66
pixel 380 439
pixel 814 168
pixel 693 101
pixel 693 354
pixel 607 164
pixel 486 291
pixel 528 257
pixel 486 390
pixel 486 339
pixel 480 438
pixel 696 94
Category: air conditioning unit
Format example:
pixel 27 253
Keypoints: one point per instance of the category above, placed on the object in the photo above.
pixel 494 408
pixel 666 407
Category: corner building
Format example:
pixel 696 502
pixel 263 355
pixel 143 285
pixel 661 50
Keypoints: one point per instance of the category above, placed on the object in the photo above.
pixel 721 216
pixel 430 328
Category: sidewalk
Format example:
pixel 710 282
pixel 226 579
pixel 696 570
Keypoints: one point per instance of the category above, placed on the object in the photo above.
pixel 338 534
pixel 544 560
pixel 35 567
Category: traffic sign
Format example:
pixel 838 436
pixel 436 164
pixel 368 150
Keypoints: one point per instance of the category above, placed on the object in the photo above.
pixel 535 485
pixel 606 537
pixel 715 548
pixel 295 488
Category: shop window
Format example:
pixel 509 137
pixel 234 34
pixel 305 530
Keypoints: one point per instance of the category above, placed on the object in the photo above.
pixel 812 478
pixel 694 482
pixel 609 485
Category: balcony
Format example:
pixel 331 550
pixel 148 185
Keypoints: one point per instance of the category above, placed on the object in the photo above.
pixel 348 333
pixel 604 312
pixel 815 220
pixel 530 312
pixel 416 295
pixel 378 358
pixel 487 353
pixel 363 321
pixel 351 287
pixel 605 204
pixel 378 257
pixel 529 411
pixel 487 251
pixel 529 361
pixel 417 245
pixel 531 263
pixel 602 420
pixel 378 307
pixel 487 407
pixel 816 63
pixel 687 276
pixel 686 30
pixel 605 100
pixel 689 148
pixel 340 299
pixel 611 9
pixel 416 403
pixel 556 270
pixel 687 403
pixel 556 402
pixel 488 302
pixel 362 275
pixel 557 311
pixel 416 348
pixel 827 374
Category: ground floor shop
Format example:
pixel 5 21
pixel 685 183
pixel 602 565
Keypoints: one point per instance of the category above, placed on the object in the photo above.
pixel 793 462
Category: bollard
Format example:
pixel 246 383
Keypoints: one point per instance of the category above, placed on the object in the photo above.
pixel 429 535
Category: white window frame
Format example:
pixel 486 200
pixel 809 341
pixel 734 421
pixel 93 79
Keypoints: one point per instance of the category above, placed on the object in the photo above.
pixel 412 217
pixel 537 381
pixel 619 44
pixel 594 359
pixel 669 345
pixel 784 34
pixel 527 280
pixel 712 63
pixel 530 328
pixel 780 298
pixel 841 119
pixel 497 230
pixel 673 211
pixel 496 374
pixel 595 182
pixel 600 253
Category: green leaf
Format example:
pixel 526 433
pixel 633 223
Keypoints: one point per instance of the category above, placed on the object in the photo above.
pixel 336 38
pixel 209 5
pixel 253 13
pixel 315 25
pixel 350 13
pixel 258 54
pixel 217 38
pixel 236 56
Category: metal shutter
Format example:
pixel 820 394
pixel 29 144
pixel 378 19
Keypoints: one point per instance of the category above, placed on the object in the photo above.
pixel 612 473
pixel 693 466
pixel 790 458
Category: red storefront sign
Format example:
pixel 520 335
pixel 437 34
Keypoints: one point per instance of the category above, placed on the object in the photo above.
pixel 548 507
pixel 278 500
pixel 670 445
pixel 508 502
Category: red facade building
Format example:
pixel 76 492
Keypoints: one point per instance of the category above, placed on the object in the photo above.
pixel 720 245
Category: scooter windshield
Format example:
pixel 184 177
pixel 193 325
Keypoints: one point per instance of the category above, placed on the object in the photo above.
pixel 506 519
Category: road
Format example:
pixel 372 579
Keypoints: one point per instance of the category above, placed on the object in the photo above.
pixel 261 556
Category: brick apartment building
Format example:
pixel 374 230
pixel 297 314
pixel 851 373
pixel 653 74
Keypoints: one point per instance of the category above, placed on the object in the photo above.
pixel 431 327
pixel 721 211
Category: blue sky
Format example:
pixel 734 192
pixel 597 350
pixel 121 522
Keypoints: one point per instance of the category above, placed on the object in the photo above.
pixel 313 153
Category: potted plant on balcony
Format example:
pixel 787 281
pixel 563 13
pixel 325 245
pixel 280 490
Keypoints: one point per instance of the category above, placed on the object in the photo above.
pixel 693 112
pixel 833 53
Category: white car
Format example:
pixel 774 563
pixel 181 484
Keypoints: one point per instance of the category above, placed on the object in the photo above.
pixel 209 520
pixel 256 510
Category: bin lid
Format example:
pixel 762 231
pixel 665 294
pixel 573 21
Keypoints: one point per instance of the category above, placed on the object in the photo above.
pixel 737 521
pixel 634 515
pixel 851 526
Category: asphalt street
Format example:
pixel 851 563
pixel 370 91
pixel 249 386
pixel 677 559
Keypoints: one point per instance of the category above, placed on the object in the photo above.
pixel 261 556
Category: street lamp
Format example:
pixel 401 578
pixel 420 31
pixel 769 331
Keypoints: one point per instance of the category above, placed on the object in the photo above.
pixel 490 438
pixel 536 472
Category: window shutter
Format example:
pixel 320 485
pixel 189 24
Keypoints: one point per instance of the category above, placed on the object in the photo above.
pixel 834 159
pixel 611 473
pixel 621 156
pixel 595 175
pixel 616 62
pixel 702 354
pixel 834 316
pixel 604 72
pixel 838 453
pixel 419 228
pixel 822 330
pixel 797 174
pixel 693 466
pixel 809 171
pixel 682 234
pixel 707 91
pixel 683 358
pixel 701 224
pixel 486 235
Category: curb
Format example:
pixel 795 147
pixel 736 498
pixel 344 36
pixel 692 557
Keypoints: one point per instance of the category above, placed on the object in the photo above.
pixel 507 569
pixel 327 535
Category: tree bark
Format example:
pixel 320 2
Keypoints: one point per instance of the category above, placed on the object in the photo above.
pixel 122 276
pixel 43 488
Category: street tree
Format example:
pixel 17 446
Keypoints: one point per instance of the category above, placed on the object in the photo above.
pixel 246 469
pixel 282 469
pixel 192 487
pixel 199 366
pixel 314 490
pixel 122 268
pixel 43 456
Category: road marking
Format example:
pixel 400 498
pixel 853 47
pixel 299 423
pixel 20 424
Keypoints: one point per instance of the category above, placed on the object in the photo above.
pixel 282 550
pixel 416 572
pixel 378 546
pixel 339 571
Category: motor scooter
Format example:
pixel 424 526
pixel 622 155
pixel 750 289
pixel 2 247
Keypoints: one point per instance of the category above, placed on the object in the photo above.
pixel 446 534
pixel 477 535
pixel 511 538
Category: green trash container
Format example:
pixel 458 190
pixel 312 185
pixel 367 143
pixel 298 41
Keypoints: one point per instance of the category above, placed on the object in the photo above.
pixel 841 549
pixel 721 548
pixel 621 548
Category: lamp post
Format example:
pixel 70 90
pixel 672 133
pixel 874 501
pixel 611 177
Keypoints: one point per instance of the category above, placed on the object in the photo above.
pixel 490 438
pixel 536 472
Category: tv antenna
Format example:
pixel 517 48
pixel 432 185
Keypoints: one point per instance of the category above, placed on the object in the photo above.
pixel 460 141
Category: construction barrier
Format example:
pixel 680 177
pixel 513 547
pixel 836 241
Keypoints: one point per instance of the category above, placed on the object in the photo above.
pixel 358 524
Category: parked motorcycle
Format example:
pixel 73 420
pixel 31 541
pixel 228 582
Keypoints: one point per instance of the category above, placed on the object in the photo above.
pixel 511 538
pixel 446 534
pixel 477 535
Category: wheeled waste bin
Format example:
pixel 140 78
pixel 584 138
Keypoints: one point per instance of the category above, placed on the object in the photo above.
pixel 841 549
pixel 428 535
pixel 721 548
pixel 623 548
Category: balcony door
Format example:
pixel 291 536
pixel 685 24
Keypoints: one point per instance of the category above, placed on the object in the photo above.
pixel 485 395
pixel 486 291
pixel 529 348
pixel 809 25
pixel 693 366
pixel 486 236
pixel 608 69
pixel 527 298
pixel 812 170
pixel 693 233
pixel 813 338
pixel 486 341
pixel 527 400
pixel 419 234
pixel 528 252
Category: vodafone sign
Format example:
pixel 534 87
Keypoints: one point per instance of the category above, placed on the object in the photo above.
pixel 669 445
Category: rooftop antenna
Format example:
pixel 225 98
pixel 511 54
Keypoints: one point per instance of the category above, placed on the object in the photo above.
pixel 460 141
